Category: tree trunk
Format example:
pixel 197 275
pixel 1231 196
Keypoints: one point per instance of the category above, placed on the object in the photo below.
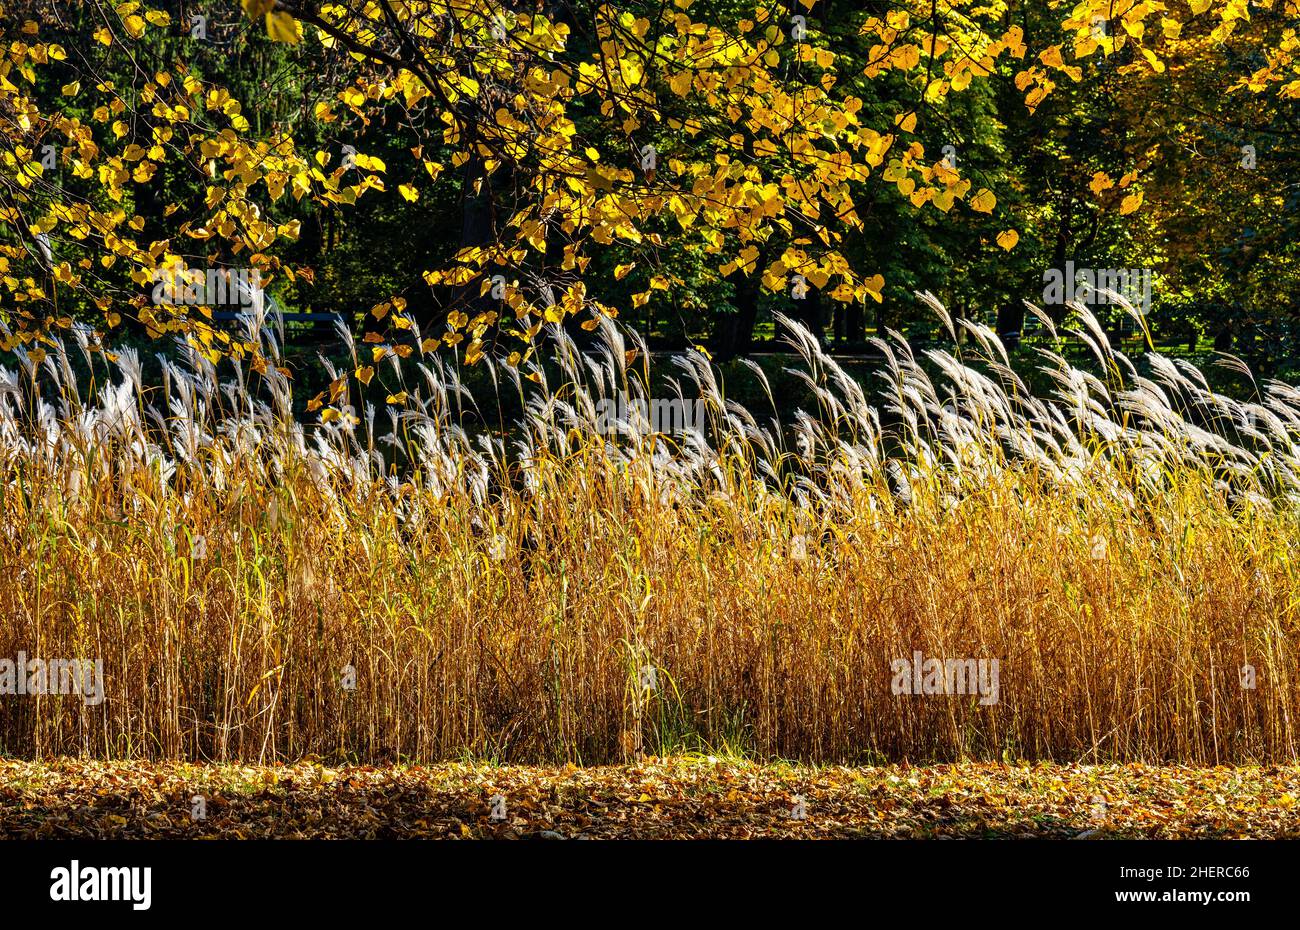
pixel 811 315
pixel 1011 323
pixel 734 332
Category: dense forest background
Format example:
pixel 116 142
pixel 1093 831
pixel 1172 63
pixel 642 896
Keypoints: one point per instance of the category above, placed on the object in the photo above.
pixel 1213 225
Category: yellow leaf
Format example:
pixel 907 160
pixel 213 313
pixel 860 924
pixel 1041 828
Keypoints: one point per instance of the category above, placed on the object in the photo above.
pixel 365 373
pixel 1008 239
pixel 984 201
pixel 282 27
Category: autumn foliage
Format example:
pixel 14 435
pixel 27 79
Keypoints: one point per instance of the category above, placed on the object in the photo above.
pixel 633 135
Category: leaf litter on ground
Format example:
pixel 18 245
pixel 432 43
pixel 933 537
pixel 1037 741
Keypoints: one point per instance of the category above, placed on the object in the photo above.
pixel 677 798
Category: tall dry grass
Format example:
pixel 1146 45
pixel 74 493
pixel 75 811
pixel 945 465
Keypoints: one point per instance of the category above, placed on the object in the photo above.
pixel 1123 549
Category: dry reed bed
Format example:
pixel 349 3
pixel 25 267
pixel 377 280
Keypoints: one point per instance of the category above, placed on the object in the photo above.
pixel 1122 550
